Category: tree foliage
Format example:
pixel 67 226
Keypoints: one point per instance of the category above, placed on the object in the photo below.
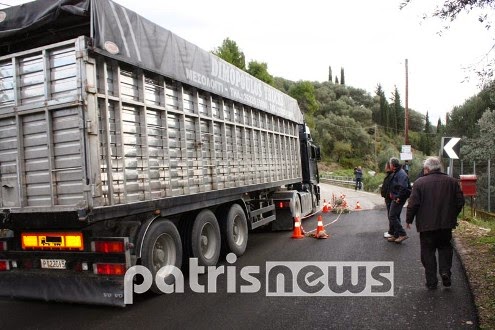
pixel 425 142
pixel 282 84
pixel 260 71
pixel 451 9
pixel 398 112
pixel 230 52
pixel 463 118
pixel 482 146
pixel 304 93
pixel 382 109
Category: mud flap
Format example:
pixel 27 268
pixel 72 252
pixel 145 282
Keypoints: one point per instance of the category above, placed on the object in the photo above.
pixel 285 216
pixel 63 287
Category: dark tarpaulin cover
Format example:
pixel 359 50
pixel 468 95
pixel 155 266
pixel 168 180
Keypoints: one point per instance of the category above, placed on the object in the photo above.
pixel 37 14
pixel 151 46
pixel 121 33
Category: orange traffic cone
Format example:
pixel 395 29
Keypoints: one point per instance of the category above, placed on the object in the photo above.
pixel 325 206
pixel 358 206
pixel 320 230
pixel 297 233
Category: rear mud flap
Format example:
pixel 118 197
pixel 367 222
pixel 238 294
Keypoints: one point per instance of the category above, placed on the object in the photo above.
pixel 284 221
pixel 63 287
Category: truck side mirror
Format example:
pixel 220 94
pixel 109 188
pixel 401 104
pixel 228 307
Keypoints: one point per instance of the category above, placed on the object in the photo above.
pixel 317 153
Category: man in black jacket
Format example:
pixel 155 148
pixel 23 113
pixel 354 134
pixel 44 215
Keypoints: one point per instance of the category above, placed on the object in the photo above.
pixel 436 200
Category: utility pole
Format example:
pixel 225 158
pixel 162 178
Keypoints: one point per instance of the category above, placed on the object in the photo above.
pixel 406 110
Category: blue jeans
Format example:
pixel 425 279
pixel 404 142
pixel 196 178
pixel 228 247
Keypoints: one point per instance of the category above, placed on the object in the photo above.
pixel 394 219
pixel 390 227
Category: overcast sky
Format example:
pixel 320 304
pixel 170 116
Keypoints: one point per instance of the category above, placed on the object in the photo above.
pixel 299 40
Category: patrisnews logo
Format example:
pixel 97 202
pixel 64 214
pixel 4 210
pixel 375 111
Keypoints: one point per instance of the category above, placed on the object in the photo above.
pixel 282 278
pixel 338 278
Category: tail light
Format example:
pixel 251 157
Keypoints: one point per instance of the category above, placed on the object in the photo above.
pixel 108 246
pixel 3 246
pixel 109 269
pixel 4 265
pixel 282 204
pixel 116 249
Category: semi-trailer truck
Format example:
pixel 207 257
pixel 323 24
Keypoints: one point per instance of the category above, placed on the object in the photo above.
pixel 123 144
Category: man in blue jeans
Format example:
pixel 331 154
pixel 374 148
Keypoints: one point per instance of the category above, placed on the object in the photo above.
pixel 358 173
pixel 398 193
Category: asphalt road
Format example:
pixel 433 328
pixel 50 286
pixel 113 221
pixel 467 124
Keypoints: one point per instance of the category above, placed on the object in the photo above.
pixel 354 237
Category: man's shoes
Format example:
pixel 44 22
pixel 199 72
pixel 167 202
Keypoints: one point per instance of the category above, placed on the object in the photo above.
pixel 446 281
pixel 400 239
pixel 391 238
pixel 386 235
pixel 431 286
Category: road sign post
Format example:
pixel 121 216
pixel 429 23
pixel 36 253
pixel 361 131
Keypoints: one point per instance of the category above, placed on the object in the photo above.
pixel 406 153
pixel 451 149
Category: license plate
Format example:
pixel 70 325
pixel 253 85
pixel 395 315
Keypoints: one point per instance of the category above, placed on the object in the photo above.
pixel 53 263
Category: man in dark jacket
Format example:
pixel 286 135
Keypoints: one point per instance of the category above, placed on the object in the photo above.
pixel 384 191
pixel 358 173
pixel 398 192
pixel 436 200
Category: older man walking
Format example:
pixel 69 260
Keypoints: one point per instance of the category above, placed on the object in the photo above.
pixel 435 202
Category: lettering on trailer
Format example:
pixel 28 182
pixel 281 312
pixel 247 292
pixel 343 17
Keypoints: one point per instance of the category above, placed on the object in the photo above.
pixel 451 147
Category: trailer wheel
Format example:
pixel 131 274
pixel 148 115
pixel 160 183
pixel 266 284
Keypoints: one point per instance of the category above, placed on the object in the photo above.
pixel 162 246
pixel 234 230
pixel 205 238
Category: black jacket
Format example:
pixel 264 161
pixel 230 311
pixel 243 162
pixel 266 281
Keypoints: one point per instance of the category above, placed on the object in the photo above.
pixel 384 191
pixel 435 201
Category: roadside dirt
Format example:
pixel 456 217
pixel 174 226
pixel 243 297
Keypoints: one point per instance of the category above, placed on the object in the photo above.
pixel 477 252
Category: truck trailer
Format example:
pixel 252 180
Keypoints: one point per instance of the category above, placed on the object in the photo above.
pixel 123 144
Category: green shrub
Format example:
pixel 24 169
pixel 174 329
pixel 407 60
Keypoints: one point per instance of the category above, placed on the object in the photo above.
pixel 373 183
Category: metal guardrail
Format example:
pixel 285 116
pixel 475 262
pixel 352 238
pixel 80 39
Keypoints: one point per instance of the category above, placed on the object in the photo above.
pixel 340 180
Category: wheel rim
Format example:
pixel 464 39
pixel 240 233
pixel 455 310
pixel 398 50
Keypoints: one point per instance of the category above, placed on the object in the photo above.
pixel 238 231
pixel 208 241
pixel 164 252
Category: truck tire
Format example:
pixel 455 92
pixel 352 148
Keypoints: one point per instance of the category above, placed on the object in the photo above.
pixel 297 210
pixel 162 246
pixel 234 230
pixel 205 238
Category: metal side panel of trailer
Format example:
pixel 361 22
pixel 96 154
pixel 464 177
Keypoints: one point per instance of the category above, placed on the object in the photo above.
pixel 82 131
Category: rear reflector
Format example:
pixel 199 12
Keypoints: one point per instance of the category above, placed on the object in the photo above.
pixel 108 246
pixel 109 269
pixel 3 246
pixel 4 265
